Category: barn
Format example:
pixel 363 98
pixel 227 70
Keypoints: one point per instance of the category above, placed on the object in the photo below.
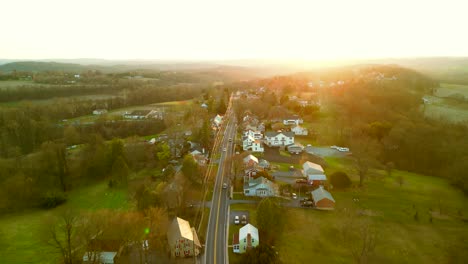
pixel 323 200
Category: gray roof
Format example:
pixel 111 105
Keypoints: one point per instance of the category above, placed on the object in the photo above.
pixel 320 193
pixel 312 168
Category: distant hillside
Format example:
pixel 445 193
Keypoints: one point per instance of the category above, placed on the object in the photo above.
pixel 36 66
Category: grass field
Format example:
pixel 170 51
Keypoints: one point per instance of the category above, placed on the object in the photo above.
pixel 446 110
pixel 21 232
pixel 15 84
pixel 447 89
pixel 314 236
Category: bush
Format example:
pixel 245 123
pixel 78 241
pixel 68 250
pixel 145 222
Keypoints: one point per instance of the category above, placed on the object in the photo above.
pixel 53 199
pixel 340 180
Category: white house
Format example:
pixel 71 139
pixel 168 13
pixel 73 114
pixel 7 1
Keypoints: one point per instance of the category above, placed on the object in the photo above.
pixel 252 144
pixel 247 238
pixel 292 120
pixel 250 161
pixel 314 173
pixel 218 120
pixel 276 139
pixel 253 133
pixel 261 187
pixel 99 111
pixel 300 131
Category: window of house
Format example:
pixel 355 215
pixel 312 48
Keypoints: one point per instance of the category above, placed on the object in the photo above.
pixel 245 240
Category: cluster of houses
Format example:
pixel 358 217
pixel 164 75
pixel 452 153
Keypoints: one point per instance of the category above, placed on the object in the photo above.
pixel 254 137
pixel 181 237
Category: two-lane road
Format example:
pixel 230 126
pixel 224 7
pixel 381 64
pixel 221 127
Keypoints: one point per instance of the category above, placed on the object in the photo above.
pixel 216 237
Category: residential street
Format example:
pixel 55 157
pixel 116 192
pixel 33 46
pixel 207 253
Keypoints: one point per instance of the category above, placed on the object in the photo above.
pixel 216 236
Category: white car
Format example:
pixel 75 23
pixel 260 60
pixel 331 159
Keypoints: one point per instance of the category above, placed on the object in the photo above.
pixel 236 219
pixel 334 147
pixel 224 185
pixel 343 149
pixel 224 149
pixel 294 196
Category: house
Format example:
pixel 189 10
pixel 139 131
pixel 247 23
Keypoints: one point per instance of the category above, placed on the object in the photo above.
pixel 261 187
pixel 252 144
pixel 204 105
pixel 295 148
pixel 292 120
pixel 183 239
pixel 314 173
pixel 250 161
pixel 276 139
pixel 218 120
pixel 303 103
pixel 102 251
pixel 247 238
pixel 100 111
pixel 323 200
pixel 253 133
pixel 299 131
pixel 264 164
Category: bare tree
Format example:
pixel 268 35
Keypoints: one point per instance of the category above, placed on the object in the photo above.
pixel 359 237
pixel 364 153
pixel 61 234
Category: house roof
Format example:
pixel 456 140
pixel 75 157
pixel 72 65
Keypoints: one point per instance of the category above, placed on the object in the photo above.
pixel 248 229
pixel 180 228
pixel 274 134
pixel 195 152
pixel 250 157
pixel 311 168
pixel 104 245
pixel 320 193
pixel 263 163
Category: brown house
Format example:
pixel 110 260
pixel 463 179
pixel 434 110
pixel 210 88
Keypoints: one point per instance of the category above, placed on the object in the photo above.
pixel 323 200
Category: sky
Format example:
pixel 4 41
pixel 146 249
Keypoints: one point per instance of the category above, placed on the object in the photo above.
pixel 231 30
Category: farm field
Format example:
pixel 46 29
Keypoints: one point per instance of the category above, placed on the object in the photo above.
pixel 21 232
pixel 437 235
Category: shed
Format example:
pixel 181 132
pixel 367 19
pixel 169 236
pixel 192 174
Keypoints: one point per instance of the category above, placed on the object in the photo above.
pixel 323 200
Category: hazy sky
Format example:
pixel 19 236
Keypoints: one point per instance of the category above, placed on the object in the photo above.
pixel 236 29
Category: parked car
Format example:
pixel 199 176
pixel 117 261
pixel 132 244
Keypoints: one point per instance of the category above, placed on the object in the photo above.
pixel 236 219
pixel 224 149
pixel 224 185
pixel 294 196
pixel 301 181
pixel 307 203
pixel 334 147
pixel 230 139
pixel 343 149
pixel 244 220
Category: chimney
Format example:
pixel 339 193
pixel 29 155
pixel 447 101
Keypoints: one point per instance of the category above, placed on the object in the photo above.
pixel 249 240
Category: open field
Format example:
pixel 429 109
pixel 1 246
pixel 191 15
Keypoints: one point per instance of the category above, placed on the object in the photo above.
pixel 315 236
pixel 118 113
pixel 447 89
pixel 21 232
pixel 446 109
pixel 15 84
pixel 53 100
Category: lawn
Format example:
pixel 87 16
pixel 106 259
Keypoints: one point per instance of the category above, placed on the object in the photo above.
pixel 21 231
pixel 446 111
pixel 314 236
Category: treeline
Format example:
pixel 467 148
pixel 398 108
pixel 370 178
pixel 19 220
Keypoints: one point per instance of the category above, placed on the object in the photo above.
pixel 383 121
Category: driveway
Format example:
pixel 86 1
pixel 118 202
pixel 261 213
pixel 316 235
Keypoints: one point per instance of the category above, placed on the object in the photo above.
pixel 235 213
pixel 325 152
